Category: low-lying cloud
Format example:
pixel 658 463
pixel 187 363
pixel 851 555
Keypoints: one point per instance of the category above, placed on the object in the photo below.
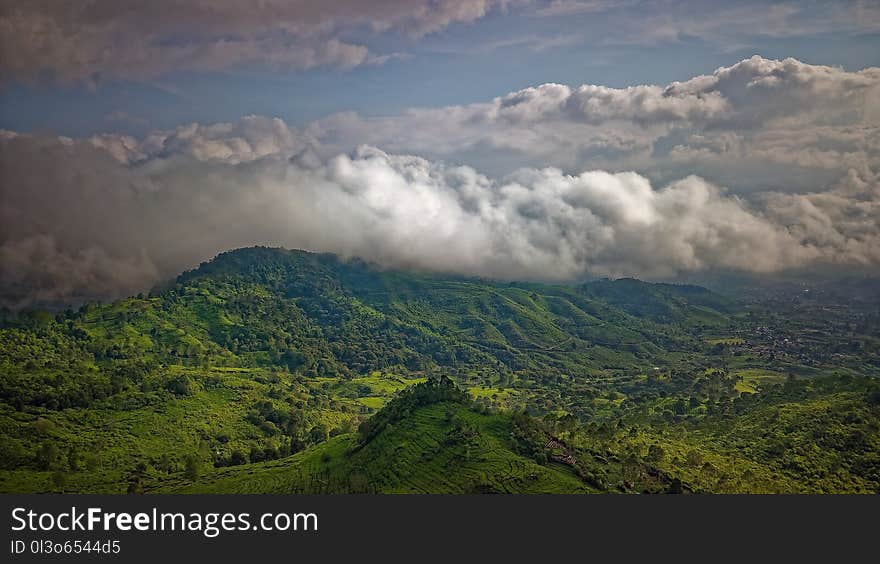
pixel 81 222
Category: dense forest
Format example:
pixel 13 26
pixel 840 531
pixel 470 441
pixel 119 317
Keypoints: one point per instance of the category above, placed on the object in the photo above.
pixel 285 371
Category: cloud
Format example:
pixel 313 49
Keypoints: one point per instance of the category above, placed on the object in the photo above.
pixel 570 7
pixel 107 39
pixel 252 137
pixel 761 166
pixel 141 40
pixel 724 25
pixel 844 220
pixel 81 222
pixel 535 43
pixel 757 125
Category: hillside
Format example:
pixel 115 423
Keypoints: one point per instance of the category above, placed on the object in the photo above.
pixel 663 303
pixel 432 438
pixel 266 358
pixel 438 445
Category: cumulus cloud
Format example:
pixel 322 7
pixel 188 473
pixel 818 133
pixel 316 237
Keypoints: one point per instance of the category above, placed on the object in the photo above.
pixel 757 125
pixel 845 219
pixel 252 137
pixel 81 222
pixel 136 40
pixel 761 166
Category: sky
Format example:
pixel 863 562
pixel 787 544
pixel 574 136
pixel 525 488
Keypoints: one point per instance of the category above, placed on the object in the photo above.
pixel 518 139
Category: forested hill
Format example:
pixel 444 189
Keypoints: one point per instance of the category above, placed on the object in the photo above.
pixel 262 353
pixel 430 438
pixel 376 320
pixel 315 315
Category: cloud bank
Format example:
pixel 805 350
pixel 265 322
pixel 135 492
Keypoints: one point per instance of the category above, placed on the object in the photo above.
pixel 78 224
pixel 111 215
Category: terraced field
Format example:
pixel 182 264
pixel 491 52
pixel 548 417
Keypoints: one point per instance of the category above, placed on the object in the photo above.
pixel 754 378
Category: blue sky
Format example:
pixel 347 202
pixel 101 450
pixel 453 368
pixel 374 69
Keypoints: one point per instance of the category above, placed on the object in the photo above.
pixel 463 62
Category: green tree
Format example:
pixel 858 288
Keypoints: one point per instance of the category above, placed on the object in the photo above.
pixel 318 434
pixel 59 478
pixel 47 454
pixel 73 459
pixel 694 458
pixel 237 457
pixel 656 454
pixel 192 467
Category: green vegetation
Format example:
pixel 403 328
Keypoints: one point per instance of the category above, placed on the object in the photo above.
pixel 429 439
pixel 273 370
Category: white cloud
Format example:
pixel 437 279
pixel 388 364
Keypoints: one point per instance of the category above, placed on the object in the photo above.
pixel 81 224
pixel 250 138
pixel 759 124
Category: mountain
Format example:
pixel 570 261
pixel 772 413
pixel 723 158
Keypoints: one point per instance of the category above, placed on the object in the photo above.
pixel 664 303
pixel 274 363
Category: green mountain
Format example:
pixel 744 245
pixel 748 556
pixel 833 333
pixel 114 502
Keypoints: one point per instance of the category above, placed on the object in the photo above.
pixel 274 363
pixel 664 303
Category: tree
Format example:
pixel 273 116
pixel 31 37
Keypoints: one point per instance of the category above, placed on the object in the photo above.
pixel 679 407
pixel 92 462
pixel 43 425
pixel 694 458
pixel 46 456
pixel 59 478
pixel 73 458
pixel 165 463
pixel 568 423
pixel 237 457
pixel 656 454
pixel 192 467
pixel 135 484
pixel 256 454
pixel 179 386
pixel 318 434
